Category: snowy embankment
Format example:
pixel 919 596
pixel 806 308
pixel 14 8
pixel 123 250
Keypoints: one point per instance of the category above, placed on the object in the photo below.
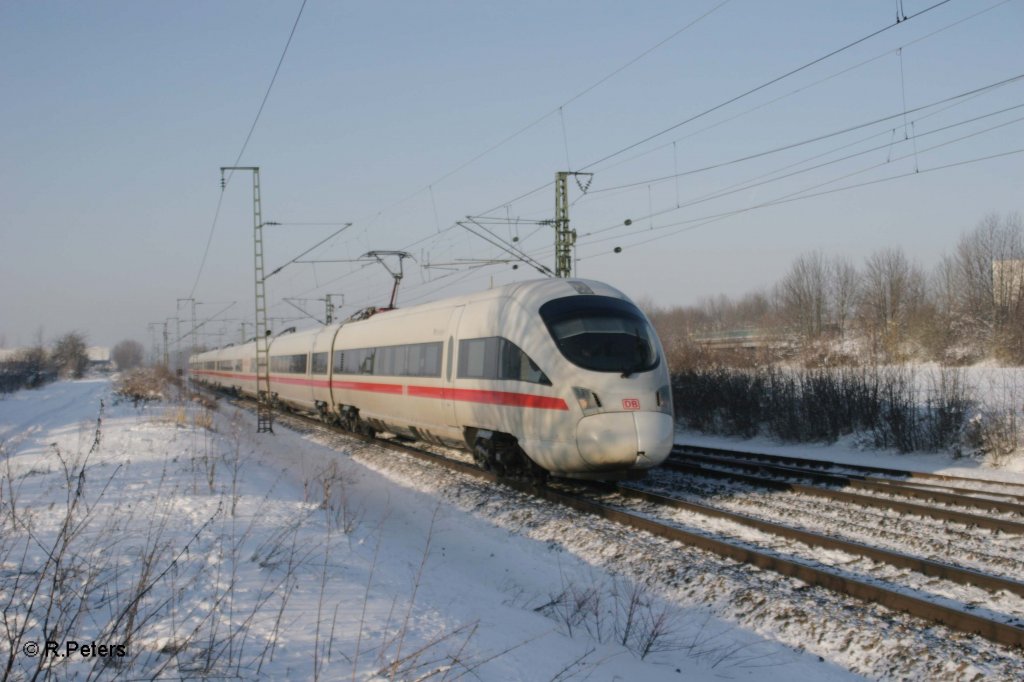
pixel 992 391
pixel 149 545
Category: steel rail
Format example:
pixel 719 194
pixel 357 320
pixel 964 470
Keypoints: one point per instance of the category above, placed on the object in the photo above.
pixel 855 498
pixel 929 567
pixel 859 483
pixel 826 464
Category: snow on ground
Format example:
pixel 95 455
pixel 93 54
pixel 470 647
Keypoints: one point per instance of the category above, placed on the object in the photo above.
pixel 161 548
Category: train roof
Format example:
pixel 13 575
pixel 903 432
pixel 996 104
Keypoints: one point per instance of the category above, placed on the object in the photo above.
pixel 530 294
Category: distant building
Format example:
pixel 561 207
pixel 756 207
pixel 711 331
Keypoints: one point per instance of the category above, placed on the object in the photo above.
pixel 1007 282
pixel 99 358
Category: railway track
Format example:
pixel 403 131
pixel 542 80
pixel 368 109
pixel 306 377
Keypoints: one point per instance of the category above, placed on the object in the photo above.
pixel 1005 516
pixel 651 512
pixel 984 494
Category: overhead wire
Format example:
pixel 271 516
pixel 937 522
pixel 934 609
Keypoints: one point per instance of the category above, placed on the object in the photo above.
pixel 766 84
pixel 813 139
pixel 245 144
pixel 789 199
pixel 809 193
pixel 557 109
pixel 810 85
pixel 745 186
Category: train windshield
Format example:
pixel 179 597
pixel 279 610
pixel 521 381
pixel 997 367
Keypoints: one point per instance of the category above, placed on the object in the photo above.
pixel 602 334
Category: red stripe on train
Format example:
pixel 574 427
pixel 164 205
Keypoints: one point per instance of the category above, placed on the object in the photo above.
pixel 470 395
pixel 489 397
pixel 395 389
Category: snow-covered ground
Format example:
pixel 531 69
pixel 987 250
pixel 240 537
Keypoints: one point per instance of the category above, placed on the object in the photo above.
pixel 225 553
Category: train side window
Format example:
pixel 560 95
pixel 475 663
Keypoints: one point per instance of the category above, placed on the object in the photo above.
pixel 339 362
pixel 478 358
pixel 451 350
pixel 422 359
pixel 318 362
pixel 366 360
pixel 517 365
pixel 389 361
pixel 429 359
pixel 414 360
pixel 353 358
pixel 495 357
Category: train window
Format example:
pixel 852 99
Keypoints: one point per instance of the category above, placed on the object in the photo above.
pixel 411 360
pixel 497 358
pixel 238 365
pixel 318 362
pixel 451 349
pixel 601 333
pixel 390 361
pixel 515 364
pixel 423 360
pixel 474 357
pixel 352 360
pixel 289 364
pixel 365 359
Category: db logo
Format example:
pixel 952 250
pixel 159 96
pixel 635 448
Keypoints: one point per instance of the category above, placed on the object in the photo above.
pixel 630 404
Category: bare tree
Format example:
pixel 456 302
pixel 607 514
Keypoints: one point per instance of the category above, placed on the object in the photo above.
pixel 892 295
pixel 844 291
pixel 803 294
pixel 989 300
pixel 127 354
pixel 70 355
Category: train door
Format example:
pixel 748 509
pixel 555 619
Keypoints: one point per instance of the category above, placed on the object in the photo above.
pixel 450 374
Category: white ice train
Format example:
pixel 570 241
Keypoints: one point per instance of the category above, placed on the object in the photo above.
pixel 565 375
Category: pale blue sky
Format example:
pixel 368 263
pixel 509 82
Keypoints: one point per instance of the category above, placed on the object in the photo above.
pixel 116 116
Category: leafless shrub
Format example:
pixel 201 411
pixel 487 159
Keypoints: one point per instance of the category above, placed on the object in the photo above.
pixel 146 384
pixel 331 489
pixel 820 405
pixel 78 580
pixel 624 612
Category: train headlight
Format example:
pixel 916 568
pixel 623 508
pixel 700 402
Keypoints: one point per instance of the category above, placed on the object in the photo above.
pixel 663 399
pixel 586 399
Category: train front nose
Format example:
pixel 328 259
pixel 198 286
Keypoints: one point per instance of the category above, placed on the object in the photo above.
pixel 624 439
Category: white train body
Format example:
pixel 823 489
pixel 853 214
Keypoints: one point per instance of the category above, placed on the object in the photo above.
pixel 569 370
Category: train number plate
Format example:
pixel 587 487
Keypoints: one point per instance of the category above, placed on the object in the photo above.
pixel 630 404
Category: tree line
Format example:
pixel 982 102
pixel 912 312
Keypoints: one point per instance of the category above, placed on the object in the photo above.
pixel 68 357
pixel 826 310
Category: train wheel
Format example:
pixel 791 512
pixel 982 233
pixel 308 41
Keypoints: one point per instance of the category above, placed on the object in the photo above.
pixel 500 453
pixel 349 419
pixel 483 454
